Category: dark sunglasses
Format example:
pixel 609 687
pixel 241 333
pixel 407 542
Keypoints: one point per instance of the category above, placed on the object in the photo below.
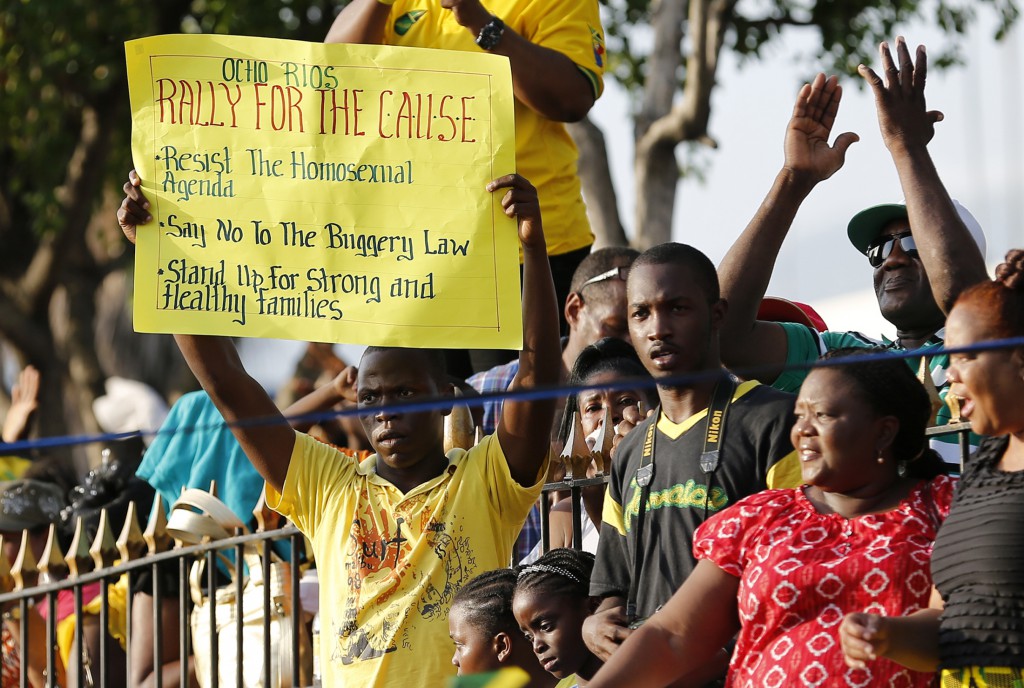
pixel 881 248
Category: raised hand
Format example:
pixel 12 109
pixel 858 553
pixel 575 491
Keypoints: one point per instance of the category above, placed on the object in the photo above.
pixel 903 118
pixel 808 153
pixel 345 384
pixel 24 402
pixel 134 208
pixel 521 202
pixel 631 418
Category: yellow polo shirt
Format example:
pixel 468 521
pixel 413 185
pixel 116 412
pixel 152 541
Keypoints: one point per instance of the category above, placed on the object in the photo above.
pixel 389 563
pixel 545 153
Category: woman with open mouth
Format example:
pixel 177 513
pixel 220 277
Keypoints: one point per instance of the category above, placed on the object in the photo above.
pixel 973 630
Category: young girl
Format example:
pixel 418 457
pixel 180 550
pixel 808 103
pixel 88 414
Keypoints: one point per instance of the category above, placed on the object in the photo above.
pixel 551 600
pixel 485 632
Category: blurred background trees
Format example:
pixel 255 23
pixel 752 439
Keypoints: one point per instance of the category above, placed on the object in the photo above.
pixel 65 151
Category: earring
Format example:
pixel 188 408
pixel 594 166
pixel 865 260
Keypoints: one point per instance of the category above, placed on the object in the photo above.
pixel 881 459
pixel 901 468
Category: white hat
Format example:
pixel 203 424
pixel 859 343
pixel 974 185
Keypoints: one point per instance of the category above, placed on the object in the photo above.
pixel 128 406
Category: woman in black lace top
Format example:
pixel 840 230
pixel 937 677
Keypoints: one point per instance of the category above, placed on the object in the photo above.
pixel 974 630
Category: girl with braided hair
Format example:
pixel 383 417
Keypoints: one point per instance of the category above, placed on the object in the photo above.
pixel 485 633
pixel 973 631
pixel 552 598
pixel 778 570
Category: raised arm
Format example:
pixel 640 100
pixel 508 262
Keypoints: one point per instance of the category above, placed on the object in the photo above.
pixel 360 21
pixel 24 402
pixel 524 428
pixel 341 388
pixel 747 267
pixel 543 79
pixel 267 440
pixel 680 639
pixel 949 255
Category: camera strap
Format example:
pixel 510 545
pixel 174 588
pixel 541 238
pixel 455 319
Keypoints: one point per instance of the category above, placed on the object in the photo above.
pixel 709 460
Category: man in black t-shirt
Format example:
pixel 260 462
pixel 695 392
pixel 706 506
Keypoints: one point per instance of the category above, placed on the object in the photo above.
pixel 675 312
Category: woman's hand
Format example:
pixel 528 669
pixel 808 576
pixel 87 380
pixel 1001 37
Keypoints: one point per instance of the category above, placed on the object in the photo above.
pixel 864 637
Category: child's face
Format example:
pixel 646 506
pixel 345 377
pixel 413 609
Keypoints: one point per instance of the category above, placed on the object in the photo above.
pixel 474 649
pixel 387 377
pixel 553 625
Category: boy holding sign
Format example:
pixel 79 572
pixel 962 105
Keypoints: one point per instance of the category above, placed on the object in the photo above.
pixel 398 534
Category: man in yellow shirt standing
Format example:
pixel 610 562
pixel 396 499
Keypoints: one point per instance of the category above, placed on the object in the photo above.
pixel 397 534
pixel 556 50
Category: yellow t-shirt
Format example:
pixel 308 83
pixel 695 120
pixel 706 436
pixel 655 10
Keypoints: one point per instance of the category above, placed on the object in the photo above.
pixel 390 563
pixel 545 153
pixel 117 615
pixel 12 467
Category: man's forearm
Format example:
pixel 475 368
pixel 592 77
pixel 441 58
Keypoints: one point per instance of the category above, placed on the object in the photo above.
pixel 747 268
pixel 745 273
pixel 611 602
pixel 914 639
pixel 540 359
pixel 266 439
pixel 545 80
pixel 215 363
pixel 361 21
pixel 949 254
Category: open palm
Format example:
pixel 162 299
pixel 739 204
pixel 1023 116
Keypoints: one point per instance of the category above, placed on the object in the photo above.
pixel 807 149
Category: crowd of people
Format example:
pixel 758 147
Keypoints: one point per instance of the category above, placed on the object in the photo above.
pixel 775 514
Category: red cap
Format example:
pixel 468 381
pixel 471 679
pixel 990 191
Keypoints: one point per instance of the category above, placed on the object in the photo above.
pixel 777 309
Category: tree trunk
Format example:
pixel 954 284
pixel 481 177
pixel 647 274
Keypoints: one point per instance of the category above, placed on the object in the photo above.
pixel 662 125
pixel 57 334
pixel 657 175
pixel 656 172
pixel 598 189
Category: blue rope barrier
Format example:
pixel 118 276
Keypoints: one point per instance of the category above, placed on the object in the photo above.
pixel 532 394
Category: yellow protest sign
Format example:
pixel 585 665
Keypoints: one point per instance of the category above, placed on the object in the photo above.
pixel 324 192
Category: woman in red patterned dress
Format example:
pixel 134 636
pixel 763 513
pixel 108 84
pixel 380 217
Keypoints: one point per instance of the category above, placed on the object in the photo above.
pixel 779 569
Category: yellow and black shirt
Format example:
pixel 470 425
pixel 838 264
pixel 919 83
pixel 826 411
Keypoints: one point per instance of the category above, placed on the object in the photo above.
pixel 755 453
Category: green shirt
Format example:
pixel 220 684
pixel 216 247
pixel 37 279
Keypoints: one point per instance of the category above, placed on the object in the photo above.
pixel 805 345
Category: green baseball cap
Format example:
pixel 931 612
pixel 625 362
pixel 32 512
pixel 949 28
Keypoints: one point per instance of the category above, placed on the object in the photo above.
pixel 866 225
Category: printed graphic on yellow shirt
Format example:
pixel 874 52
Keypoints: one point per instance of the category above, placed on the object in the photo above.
pixel 379 559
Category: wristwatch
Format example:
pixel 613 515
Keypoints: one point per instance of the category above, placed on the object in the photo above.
pixel 491 34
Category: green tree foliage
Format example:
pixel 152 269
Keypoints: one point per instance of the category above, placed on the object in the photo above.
pixel 666 53
pixel 61 58
pixel 64 153
pixel 850 30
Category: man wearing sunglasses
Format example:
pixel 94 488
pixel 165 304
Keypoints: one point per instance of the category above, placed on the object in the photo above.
pixel 922 253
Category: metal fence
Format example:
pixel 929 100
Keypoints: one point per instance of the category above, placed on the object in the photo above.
pixel 154 549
